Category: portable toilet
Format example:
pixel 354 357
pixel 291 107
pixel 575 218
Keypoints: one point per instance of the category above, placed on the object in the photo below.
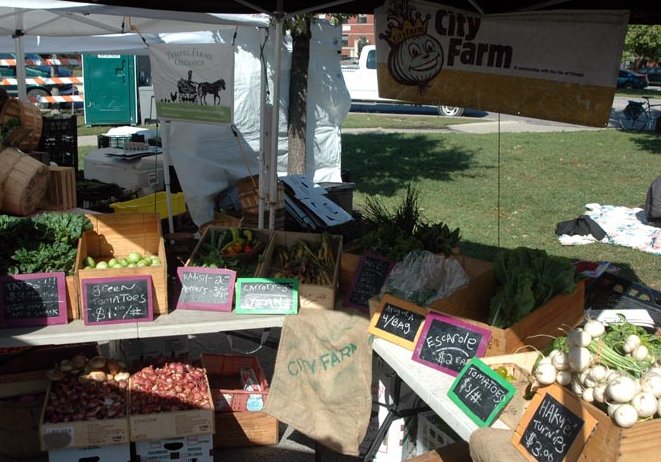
pixel 110 89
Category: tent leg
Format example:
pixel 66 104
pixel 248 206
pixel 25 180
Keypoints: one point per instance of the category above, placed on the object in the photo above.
pixel 166 172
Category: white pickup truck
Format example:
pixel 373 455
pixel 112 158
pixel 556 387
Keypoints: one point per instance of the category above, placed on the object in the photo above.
pixel 362 84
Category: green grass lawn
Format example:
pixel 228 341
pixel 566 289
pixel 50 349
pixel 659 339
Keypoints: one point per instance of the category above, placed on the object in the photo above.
pixel 512 193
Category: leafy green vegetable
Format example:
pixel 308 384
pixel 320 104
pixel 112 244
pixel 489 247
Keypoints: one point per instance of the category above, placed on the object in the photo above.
pixel 528 278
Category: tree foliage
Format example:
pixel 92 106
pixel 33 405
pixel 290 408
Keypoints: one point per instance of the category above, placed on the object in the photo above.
pixel 643 43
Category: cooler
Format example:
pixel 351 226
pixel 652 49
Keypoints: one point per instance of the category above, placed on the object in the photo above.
pixel 143 175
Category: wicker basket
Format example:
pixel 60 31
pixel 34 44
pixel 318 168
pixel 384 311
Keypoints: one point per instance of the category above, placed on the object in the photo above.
pixel 27 135
pixel 25 184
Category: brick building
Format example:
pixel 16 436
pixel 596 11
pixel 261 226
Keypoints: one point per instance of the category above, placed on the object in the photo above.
pixel 357 28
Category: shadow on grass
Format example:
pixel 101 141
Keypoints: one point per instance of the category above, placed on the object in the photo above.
pixel 399 159
pixel 650 142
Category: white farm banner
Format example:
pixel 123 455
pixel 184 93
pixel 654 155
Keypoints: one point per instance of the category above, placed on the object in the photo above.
pixel 193 82
pixel 560 65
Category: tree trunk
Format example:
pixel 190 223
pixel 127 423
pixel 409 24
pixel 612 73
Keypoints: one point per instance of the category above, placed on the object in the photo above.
pixel 298 96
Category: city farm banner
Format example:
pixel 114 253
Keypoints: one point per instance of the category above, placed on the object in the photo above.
pixel 193 82
pixel 560 65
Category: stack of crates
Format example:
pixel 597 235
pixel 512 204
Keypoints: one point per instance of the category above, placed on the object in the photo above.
pixel 59 138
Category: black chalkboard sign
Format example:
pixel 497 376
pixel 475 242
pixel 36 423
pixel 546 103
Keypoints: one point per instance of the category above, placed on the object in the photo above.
pixel 398 321
pixel 481 392
pixel 266 296
pixel 367 281
pixel 447 344
pixel 117 300
pixel 554 427
pixel 36 299
pixel 210 289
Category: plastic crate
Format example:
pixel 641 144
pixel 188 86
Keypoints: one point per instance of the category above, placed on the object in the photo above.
pixel 59 138
pixel 106 141
pixel 156 202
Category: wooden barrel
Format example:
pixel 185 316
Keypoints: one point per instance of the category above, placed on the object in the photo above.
pixel 27 133
pixel 25 184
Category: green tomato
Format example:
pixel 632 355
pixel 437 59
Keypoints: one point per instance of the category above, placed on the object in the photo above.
pixel 132 265
pixel 90 262
pixel 134 257
pixel 123 262
pixel 141 264
pixel 113 263
pixel 145 262
pixel 102 265
pixel 155 261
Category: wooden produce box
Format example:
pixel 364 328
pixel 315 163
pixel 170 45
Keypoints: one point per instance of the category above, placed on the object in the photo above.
pixel 117 235
pixel 264 236
pixel 610 443
pixel 175 424
pixel 61 193
pixel 73 302
pixel 239 429
pixel 310 295
pixel 81 434
pixel 224 375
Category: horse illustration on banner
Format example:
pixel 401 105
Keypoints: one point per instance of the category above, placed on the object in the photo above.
pixel 210 88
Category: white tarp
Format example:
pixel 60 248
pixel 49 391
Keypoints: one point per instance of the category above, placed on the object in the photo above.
pixel 557 65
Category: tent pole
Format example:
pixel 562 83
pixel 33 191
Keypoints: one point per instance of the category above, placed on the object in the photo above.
pixel 275 122
pixel 20 57
pixel 262 132
pixel 165 138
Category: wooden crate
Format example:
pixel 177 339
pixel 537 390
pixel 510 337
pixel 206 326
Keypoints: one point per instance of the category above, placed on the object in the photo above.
pixel 73 302
pixel 19 426
pixel 61 193
pixel 117 235
pixel 611 443
pixel 239 429
pixel 309 295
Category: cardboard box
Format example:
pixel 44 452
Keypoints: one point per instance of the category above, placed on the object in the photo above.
pixel 110 453
pixel 240 429
pixel 19 426
pixel 224 375
pixel 310 295
pixel 176 424
pixel 140 349
pixel 81 434
pixel 117 235
pixel 198 448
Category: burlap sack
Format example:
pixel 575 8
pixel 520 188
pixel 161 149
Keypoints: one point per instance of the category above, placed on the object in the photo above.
pixel 322 378
pixel 493 445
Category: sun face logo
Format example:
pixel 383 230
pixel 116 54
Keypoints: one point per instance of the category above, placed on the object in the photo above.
pixel 415 57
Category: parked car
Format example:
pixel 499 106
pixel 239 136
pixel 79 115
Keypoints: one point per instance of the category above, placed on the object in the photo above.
pixel 34 71
pixel 653 74
pixel 630 80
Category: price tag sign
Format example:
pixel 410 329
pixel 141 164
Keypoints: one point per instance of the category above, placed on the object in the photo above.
pixel 398 321
pixel 447 343
pixel 368 279
pixel 117 300
pixel 266 296
pixel 208 289
pixel 554 427
pixel 481 392
pixel 36 299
